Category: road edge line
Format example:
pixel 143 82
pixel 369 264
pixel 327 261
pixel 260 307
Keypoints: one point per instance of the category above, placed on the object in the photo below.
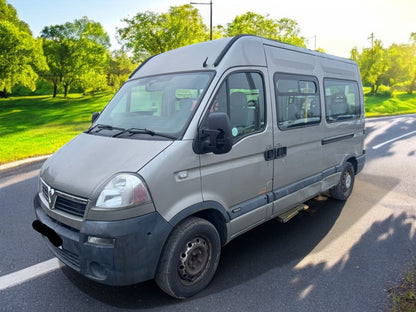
pixel 27 274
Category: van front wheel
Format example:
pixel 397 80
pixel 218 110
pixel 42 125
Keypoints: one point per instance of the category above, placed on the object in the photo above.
pixel 345 185
pixel 189 259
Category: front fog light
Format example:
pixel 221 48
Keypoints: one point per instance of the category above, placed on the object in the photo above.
pixel 101 241
pixel 122 191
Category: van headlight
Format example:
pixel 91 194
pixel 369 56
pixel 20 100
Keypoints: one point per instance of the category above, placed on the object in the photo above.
pixel 123 190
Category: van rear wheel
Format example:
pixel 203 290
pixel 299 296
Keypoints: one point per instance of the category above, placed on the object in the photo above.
pixel 189 259
pixel 345 185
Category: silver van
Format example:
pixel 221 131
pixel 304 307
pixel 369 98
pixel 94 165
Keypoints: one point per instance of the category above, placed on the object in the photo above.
pixel 200 145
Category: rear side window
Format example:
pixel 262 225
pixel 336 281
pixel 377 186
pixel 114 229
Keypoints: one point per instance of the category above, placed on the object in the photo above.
pixel 342 100
pixel 241 96
pixel 297 101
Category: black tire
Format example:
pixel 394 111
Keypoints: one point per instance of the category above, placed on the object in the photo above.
pixel 345 185
pixel 189 259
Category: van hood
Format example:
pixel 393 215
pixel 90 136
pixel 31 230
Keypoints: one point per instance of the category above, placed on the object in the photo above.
pixel 87 161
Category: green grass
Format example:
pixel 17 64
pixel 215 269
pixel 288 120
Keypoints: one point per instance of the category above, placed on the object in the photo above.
pixel 397 104
pixel 39 125
pixel 404 295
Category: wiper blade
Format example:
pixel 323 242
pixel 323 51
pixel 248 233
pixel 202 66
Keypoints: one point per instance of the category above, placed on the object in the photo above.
pixel 105 127
pixel 133 131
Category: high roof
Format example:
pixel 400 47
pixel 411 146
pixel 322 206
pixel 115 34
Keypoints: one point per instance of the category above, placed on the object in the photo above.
pixel 242 50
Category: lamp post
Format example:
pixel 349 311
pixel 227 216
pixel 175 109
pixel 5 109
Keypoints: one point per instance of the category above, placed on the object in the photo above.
pixel 210 15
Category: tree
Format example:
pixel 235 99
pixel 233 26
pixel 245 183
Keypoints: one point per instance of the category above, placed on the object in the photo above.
pixel 412 83
pixel 284 30
pixel 151 33
pixel 373 66
pixel 77 53
pixel 121 66
pixel 401 64
pixel 393 67
pixel 20 54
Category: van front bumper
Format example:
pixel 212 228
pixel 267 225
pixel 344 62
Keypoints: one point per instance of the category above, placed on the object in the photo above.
pixel 111 252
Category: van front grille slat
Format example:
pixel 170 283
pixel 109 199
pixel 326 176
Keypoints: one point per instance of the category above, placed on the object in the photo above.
pixel 65 202
pixel 70 206
pixel 67 256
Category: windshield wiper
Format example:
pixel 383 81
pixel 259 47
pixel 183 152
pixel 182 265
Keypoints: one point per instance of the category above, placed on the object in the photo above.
pixel 133 131
pixel 103 127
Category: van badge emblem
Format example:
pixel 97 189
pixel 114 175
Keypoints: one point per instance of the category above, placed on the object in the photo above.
pixel 51 192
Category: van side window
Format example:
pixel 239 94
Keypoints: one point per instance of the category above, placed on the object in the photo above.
pixel 342 100
pixel 241 96
pixel 297 101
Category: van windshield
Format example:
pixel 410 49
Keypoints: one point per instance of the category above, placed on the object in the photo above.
pixel 157 106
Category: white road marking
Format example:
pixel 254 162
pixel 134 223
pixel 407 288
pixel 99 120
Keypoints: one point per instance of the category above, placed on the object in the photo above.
pixel 29 273
pixel 5 182
pixel 392 140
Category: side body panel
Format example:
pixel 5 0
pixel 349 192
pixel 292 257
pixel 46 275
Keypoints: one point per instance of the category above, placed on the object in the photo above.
pixel 314 153
pixel 174 179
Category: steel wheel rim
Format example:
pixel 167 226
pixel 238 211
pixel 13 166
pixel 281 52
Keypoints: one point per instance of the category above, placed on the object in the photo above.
pixel 347 182
pixel 194 260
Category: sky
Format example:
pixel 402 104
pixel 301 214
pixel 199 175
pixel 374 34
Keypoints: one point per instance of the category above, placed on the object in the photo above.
pixel 335 26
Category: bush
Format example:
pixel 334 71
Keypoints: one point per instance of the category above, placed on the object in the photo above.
pixel 43 87
pixel 384 91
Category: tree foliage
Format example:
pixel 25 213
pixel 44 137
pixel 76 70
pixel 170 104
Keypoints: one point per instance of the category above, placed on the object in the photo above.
pixel 121 66
pixel 20 54
pixel 394 66
pixel 284 30
pixel 372 65
pixel 77 54
pixel 151 33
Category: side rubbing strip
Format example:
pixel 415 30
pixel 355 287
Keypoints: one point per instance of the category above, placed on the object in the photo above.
pixel 265 199
pixel 337 138
pixel 248 206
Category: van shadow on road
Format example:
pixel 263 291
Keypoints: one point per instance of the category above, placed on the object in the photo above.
pixel 267 247
pixel 261 266
pixel 397 128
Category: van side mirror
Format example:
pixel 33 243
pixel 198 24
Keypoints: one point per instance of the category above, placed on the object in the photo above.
pixel 94 117
pixel 214 135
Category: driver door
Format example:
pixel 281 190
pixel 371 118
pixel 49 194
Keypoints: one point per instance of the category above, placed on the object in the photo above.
pixel 240 179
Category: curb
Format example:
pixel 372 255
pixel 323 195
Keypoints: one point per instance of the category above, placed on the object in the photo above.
pixel 21 164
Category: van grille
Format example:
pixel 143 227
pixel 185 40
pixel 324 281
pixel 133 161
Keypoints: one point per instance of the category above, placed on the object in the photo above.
pixel 69 206
pixel 64 202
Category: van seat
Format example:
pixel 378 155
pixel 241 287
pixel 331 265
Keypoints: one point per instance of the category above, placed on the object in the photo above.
pixel 339 104
pixel 239 110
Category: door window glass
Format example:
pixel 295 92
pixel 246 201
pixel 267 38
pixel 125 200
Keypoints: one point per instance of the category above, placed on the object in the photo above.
pixel 241 96
pixel 341 100
pixel 297 101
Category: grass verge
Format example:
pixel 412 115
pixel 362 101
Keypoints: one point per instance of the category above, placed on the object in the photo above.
pixel 39 125
pixel 404 295
pixel 398 103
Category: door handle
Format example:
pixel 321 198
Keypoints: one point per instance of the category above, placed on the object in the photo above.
pixel 275 153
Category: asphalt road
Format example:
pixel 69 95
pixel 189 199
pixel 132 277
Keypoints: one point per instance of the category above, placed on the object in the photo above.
pixel 333 257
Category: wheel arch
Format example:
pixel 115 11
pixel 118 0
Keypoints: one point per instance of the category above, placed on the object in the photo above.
pixel 353 161
pixel 211 211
